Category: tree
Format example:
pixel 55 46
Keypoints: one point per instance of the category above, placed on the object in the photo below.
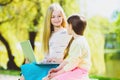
pixel 97 27
pixel 116 23
pixel 11 64
pixel 12 17
pixel 32 33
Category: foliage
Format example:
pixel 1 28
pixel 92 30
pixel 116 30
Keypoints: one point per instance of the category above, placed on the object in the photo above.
pixel 18 18
pixel 117 26
pixel 70 7
pixel 97 27
pixel 3 56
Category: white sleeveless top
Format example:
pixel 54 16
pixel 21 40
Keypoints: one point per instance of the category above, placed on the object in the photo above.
pixel 58 42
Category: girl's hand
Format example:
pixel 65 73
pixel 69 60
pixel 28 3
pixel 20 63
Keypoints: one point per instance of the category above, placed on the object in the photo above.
pixel 52 70
pixel 50 76
pixel 50 60
pixel 55 60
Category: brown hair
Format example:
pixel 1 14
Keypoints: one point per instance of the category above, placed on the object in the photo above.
pixel 78 23
pixel 67 48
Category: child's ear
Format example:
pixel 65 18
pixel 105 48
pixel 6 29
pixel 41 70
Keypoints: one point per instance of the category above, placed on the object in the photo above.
pixel 70 28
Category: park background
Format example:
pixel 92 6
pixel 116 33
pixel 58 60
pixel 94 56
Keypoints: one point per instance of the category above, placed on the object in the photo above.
pixel 22 20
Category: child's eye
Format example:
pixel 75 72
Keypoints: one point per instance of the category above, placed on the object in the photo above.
pixel 53 17
pixel 59 16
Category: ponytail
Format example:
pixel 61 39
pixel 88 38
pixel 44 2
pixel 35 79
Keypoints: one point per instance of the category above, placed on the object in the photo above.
pixel 67 48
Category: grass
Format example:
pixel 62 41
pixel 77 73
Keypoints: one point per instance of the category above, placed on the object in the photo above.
pixel 10 72
pixel 102 77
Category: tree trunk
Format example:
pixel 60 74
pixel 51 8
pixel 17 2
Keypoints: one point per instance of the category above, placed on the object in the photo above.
pixel 32 36
pixel 11 64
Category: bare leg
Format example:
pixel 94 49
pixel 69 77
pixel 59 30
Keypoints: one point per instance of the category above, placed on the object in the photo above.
pixel 21 78
pixel 53 79
pixel 46 78
pixel 27 61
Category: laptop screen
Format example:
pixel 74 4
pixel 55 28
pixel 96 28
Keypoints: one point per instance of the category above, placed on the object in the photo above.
pixel 28 51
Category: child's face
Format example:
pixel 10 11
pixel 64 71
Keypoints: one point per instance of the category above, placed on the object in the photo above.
pixel 69 29
pixel 56 18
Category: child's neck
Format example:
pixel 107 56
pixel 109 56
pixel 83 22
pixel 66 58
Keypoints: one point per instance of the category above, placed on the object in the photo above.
pixel 57 28
pixel 76 35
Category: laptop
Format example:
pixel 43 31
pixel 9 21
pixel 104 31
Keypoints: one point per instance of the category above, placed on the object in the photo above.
pixel 29 53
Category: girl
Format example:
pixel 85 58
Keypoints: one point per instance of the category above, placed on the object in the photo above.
pixel 77 63
pixel 53 44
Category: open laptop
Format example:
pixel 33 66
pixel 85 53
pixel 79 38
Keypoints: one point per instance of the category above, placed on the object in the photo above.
pixel 29 53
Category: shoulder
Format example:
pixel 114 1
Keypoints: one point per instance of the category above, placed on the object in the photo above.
pixel 79 41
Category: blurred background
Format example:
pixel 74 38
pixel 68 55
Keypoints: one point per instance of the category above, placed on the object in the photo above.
pixel 22 20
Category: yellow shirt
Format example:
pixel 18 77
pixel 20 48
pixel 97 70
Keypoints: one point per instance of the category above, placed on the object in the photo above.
pixel 78 55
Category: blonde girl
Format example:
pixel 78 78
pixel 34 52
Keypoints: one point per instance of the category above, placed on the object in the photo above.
pixel 52 44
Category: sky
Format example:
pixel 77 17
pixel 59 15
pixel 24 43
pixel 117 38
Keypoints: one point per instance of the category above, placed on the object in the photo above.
pixel 104 8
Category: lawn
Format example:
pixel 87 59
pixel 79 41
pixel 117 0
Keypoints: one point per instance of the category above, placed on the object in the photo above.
pixel 10 72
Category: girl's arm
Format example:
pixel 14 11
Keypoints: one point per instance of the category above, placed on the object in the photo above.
pixel 58 68
pixel 56 73
pixel 61 65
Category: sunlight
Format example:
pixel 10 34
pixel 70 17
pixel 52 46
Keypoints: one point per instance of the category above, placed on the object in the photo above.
pixel 99 7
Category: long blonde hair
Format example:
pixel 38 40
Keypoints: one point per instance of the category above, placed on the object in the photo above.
pixel 48 27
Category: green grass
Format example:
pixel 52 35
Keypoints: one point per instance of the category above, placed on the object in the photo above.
pixel 10 72
pixel 102 77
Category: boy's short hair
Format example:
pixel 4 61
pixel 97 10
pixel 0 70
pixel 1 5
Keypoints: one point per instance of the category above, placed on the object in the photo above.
pixel 78 23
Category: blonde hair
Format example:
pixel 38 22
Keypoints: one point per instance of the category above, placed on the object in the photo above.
pixel 48 27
